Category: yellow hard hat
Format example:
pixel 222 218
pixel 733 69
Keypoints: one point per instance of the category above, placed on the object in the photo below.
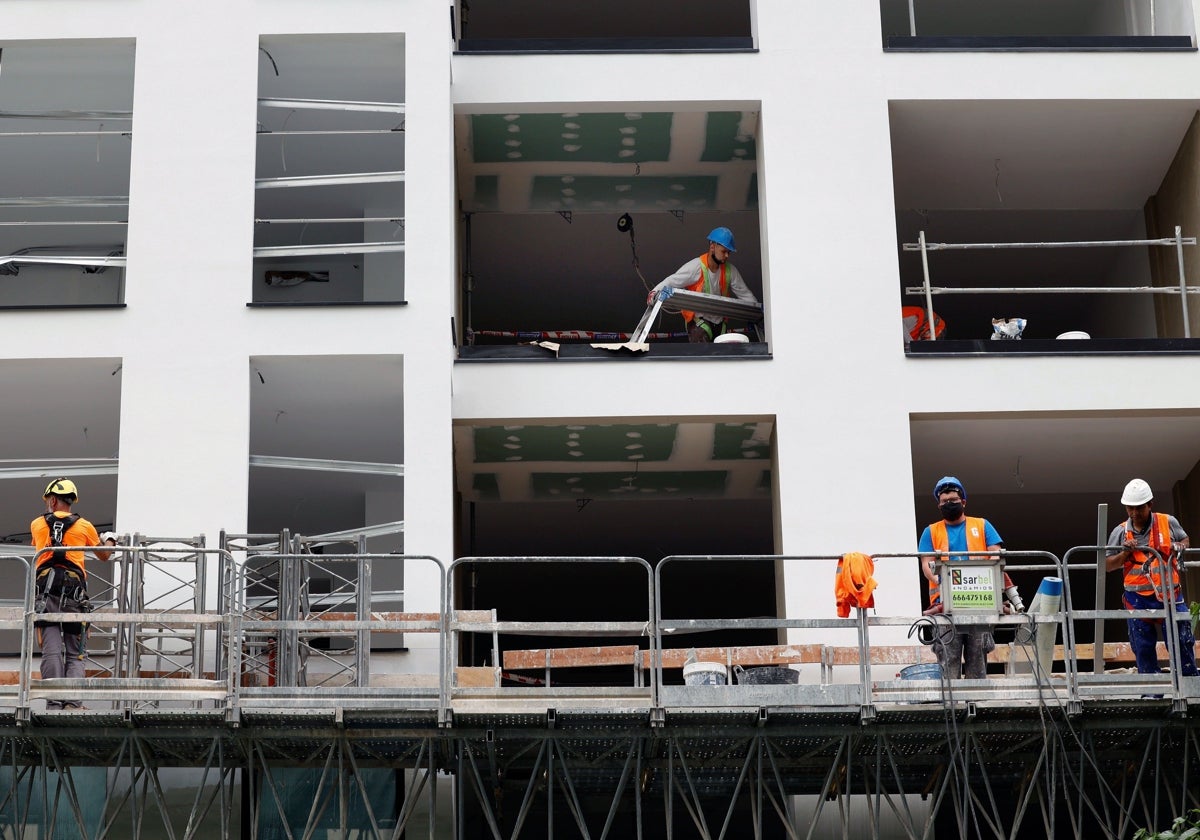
pixel 62 487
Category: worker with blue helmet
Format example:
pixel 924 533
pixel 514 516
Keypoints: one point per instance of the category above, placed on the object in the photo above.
pixel 710 274
pixel 961 651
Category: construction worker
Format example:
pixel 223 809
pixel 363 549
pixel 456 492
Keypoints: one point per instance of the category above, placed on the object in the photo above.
pixel 60 583
pixel 1146 574
pixel 961 653
pixel 710 274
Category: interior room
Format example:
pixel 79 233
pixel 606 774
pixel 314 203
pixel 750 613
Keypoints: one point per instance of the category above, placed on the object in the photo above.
pixel 524 25
pixel 649 488
pixel 570 218
pixel 66 110
pixel 1039 478
pixel 1046 172
pixel 329 208
pixel 1065 24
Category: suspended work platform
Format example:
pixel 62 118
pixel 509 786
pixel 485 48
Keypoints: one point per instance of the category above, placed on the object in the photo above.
pixel 285 722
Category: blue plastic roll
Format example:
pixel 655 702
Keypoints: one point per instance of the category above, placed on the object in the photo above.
pixel 1051 586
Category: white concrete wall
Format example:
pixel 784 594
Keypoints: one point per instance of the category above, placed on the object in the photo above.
pixel 186 333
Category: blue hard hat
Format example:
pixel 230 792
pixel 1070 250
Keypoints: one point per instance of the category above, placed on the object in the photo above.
pixel 722 236
pixel 947 482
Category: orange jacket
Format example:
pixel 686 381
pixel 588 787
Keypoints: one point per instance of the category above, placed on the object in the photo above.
pixel 701 285
pixel 854 585
pixel 976 541
pixel 1143 571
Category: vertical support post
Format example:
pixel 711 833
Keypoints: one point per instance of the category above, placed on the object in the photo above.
pixel 864 657
pixel 932 325
pixel 199 604
pixel 362 638
pixel 1183 294
pixel 1101 574
pixel 912 19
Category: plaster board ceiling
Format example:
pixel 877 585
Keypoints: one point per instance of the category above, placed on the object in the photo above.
pixel 1033 155
pixel 1056 452
pixel 607 161
pixel 520 461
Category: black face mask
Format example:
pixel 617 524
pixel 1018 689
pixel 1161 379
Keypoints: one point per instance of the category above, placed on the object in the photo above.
pixel 951 511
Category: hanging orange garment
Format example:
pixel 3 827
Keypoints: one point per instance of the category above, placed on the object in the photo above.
pixel 854 585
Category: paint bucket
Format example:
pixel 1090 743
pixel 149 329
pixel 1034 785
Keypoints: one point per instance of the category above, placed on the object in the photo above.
pixel 1073 334
pixel 705 673
pixel 921 672
pixel 732 338
pixel 772 675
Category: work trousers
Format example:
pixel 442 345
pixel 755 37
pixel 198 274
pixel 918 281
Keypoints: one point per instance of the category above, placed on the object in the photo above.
pixel 1144 635
pixel 963 653
pixel 64 648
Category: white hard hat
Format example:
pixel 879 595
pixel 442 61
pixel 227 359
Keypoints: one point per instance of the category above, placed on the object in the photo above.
pixel 1137 492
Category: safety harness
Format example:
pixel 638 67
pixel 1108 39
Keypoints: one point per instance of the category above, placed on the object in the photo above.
pixel 59 576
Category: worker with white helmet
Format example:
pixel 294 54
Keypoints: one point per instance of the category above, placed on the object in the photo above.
pixel 1149 573
pixel 710 274
pixel 962 652
pixel 61 582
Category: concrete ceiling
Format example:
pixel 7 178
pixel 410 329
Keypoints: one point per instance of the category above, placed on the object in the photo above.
pixel 1033 155
pixel 1056 452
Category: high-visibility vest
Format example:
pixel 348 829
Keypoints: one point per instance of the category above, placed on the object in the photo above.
pixel 1143 571
pixel 704 284
pixel 976 541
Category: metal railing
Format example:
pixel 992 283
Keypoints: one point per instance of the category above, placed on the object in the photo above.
pixel 254 669
pixel 1177 242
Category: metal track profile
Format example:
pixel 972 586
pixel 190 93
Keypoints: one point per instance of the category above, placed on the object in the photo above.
pixel 333 105
pixel 333 249
pixel 677 300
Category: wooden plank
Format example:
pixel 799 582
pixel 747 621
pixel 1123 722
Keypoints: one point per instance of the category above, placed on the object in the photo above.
pixel 884 655
pixel 404 680
pixel 748 656
pixel 575 657
pixel 1119 652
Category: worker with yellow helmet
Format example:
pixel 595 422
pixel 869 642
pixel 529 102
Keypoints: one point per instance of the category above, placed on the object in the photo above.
pixel 61 582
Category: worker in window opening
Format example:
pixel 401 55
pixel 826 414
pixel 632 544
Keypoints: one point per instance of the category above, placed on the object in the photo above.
pixel 1144 575
pixel 961 653
pixel 710 274
pixel 60 583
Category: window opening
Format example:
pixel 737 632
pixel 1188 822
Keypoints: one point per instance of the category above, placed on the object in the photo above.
pixel 65 129
pixel 329 203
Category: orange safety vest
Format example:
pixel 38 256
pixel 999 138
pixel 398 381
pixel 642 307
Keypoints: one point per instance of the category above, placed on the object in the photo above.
pixel 702 285
pixel 976 541
pixel 1143 573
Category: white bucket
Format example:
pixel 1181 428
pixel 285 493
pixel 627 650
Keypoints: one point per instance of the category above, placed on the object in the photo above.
pixel 732 338
pixel 705 673
pixel 1074 334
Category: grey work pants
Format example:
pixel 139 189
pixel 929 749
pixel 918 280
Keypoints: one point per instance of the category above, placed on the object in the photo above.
pixel 63 650
pixel 963 653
